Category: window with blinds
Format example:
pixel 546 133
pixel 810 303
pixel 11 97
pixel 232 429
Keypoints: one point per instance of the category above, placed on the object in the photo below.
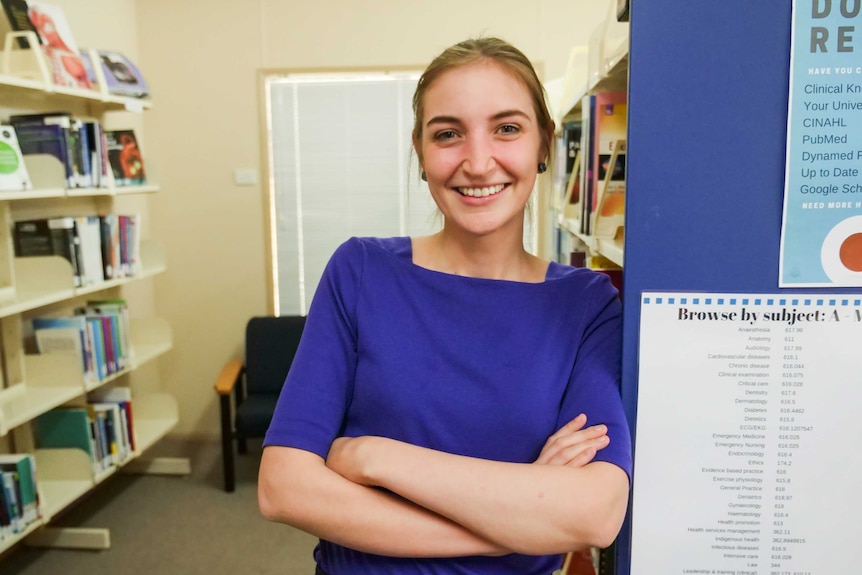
pixel 341 165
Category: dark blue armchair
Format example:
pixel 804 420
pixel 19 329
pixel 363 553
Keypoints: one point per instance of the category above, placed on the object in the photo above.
pixel 254 385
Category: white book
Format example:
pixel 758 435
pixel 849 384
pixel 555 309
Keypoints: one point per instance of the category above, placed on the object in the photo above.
pixel 13 171
pixel 89 229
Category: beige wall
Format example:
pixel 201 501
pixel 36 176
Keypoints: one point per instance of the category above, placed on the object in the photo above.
pixel 202 61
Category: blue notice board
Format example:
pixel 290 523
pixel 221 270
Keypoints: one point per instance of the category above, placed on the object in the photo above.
pixel 822 225
pixel 708 106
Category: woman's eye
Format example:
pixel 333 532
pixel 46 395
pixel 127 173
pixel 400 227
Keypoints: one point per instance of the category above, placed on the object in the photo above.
pixel 445 135
pixel 509 129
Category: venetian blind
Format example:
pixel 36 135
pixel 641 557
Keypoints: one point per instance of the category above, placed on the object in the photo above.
pixel 341 166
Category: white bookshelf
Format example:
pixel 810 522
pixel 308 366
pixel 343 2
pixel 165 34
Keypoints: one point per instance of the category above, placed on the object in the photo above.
pixel 31 385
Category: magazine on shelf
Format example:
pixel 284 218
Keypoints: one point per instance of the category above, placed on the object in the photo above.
pixel 13 171
pixel 50 24
pixel 122 76
pixel 59 45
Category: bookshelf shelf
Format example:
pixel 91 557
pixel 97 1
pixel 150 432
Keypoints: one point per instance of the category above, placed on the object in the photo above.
pixel 20 87
pixel 610 248
pixel 151 337
pixel 52 380
pixel 45 280
pixel 601 67
pixel 155 415
pixel 64 476
pixel 48 177
pixel 8 543
pixel 48 385
pixel 124 191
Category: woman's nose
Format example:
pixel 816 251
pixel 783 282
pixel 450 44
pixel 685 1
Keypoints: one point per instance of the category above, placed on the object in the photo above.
pixel 479 156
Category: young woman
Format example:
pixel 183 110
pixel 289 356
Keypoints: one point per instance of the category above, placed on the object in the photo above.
pixel 434 419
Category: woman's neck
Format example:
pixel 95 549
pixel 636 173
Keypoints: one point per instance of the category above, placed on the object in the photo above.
pixel 488 257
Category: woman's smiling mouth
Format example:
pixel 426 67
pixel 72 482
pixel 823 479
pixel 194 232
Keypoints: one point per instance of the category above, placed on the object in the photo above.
pixel 481 192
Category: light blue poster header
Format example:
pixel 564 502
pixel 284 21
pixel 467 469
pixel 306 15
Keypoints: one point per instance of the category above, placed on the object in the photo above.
pixel 821 234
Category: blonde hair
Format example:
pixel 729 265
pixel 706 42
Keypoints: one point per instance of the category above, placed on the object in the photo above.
pixel 495 50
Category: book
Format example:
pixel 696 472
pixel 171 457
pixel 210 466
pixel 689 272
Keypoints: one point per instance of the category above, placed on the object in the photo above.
pixel 59 44
pixel 96 153
pixel 571 140
pixel 13 171
pixel 50 237
pixel 5 514
pixel 122 396
pixel 11 502
pixel 47 139
pixel 74 154
pixel 117 433
pixel 607 210
pixel 125 158
pixel 97 336
pixel 130 244
pixel 122 76
pixel 110 245
pixel 90 232
pixel 118 313
pixel 585 175
pixel 68 427
pixel 66 335
pixel 24 465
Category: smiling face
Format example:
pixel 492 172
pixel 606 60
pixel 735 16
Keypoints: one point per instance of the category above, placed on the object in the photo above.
pixel 480 145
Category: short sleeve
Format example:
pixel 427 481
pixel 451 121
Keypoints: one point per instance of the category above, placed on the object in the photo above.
pixel 313 402
pixel 594 385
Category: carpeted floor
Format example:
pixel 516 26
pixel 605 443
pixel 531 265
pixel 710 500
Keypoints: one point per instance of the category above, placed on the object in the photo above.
pixel 162 525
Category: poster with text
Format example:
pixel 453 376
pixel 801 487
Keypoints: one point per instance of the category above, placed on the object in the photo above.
pixel 746 459
pixel 821 233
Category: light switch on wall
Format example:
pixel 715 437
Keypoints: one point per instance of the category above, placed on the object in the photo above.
pixel 245 177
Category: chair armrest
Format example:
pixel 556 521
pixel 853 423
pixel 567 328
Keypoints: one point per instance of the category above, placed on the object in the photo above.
pixel 228 377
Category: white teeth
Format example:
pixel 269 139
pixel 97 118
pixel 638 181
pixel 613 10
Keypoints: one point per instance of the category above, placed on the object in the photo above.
pixel 481 192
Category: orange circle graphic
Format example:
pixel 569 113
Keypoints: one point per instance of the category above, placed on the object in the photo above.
pixel 850 252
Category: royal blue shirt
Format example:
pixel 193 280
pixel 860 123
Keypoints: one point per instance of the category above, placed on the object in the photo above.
pixel 470 366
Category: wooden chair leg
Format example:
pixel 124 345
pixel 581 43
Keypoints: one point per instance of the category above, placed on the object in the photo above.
pixel 227 444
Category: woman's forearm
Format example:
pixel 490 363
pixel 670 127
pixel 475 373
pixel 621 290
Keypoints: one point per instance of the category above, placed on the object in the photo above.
pixel 295 487
pixel 532 509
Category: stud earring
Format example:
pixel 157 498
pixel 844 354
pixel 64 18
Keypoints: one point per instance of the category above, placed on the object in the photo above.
pixel 423 176
pixel 543 167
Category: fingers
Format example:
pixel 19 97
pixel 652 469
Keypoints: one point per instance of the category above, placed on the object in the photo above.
pixel 574 425
pixel 580 455
pixel 573 444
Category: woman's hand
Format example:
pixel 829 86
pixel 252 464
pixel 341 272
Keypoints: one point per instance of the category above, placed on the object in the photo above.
pixel 573 445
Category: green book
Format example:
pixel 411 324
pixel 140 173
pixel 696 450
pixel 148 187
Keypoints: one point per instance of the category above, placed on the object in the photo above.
pixel 68 428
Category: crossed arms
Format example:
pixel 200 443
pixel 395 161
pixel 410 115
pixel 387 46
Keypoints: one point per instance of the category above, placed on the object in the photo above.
pixel 383 496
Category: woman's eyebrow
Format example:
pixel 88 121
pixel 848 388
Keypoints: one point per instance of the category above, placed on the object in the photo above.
pixel 510 113
pixel 498 116
pixel 443 120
